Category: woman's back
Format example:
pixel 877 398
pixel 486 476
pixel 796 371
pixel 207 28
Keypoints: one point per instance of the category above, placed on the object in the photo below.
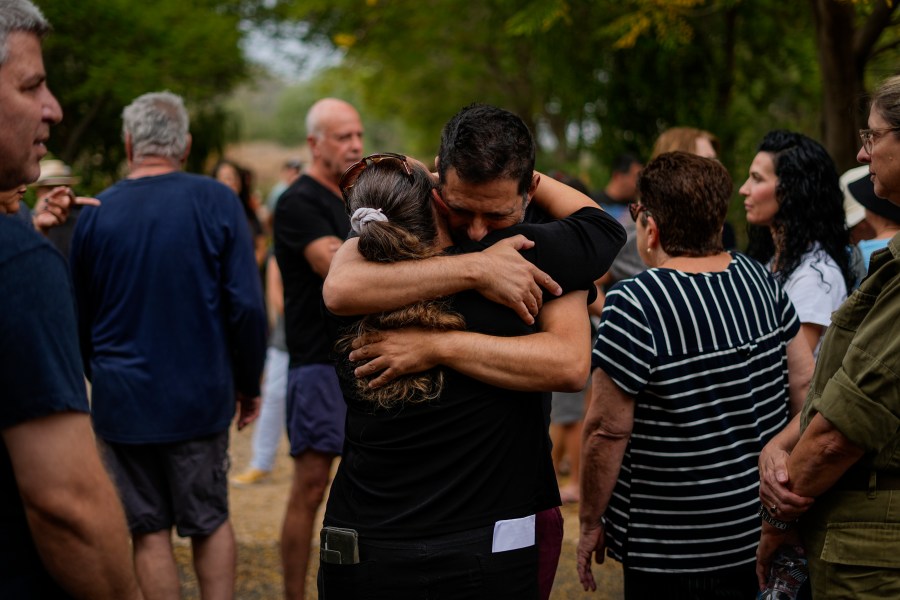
pixel 704 356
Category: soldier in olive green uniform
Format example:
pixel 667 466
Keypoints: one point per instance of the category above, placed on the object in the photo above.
pixel 852 532
pixel 844 450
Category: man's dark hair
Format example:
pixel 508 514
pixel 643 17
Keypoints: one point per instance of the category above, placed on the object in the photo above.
pixel 623 162
pixel 485 143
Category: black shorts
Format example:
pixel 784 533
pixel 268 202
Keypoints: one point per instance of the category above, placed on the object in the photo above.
pixel 181 484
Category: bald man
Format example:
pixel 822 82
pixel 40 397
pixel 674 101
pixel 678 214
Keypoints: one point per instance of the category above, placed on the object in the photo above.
pixel 311 222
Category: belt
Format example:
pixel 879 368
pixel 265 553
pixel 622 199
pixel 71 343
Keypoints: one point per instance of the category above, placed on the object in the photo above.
pixel 861 480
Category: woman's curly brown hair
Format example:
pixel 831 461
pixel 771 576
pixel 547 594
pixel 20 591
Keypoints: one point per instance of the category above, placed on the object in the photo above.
pixel 408 234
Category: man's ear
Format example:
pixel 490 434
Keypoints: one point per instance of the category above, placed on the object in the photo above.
pixel 187 148
pixel 129 148
pixel 532 188
pixel 439 203
pixel 535 182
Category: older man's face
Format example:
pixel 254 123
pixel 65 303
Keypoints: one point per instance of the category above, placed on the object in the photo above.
pixel 341 143
pixel 27 109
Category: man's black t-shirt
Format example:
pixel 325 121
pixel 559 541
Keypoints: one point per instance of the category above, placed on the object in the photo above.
pixel 479 453
pixel 306 212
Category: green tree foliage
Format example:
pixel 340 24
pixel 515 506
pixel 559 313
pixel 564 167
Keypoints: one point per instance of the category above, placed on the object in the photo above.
pixel 104 53
pixel 596 77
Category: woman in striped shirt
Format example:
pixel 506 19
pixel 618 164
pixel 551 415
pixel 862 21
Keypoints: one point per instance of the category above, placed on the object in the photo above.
pixel 691 379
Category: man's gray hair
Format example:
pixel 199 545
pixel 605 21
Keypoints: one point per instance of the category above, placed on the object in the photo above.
pixel 158 125
pixel 19 15
pixel 314 120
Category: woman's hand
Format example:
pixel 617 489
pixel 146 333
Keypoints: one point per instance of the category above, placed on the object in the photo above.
pixel 591 545
pixel 770 541
pixel 53 209
pixel 774 491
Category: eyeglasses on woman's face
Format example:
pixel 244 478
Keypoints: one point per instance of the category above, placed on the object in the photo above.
pixel 635 209
pixel 870 136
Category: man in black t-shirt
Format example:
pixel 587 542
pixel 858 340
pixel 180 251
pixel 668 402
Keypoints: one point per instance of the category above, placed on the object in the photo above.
pixel 311 222
pixel 487 181
pixel 614 198
pixel 62 529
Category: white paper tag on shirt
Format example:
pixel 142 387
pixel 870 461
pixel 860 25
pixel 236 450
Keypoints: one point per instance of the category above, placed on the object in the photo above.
pixel 513 534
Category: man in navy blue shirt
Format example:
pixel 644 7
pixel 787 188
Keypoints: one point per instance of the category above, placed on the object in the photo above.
pixel 173 332
pixel 62 530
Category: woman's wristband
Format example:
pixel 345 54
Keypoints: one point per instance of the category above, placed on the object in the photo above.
pixel 776 523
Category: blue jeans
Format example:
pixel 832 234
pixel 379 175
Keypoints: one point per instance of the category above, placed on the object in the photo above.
pixel 272 413
pixel 456 566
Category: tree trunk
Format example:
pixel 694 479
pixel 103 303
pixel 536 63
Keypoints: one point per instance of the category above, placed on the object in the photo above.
pixel 725 88
pixel 73 144
pixel 842 79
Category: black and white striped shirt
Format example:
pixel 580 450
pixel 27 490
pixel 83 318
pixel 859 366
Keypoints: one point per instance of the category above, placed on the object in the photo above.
pixel 704 355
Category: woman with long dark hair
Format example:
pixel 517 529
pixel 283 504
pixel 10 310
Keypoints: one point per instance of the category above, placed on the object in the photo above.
pixel 795 211
pixel 239 180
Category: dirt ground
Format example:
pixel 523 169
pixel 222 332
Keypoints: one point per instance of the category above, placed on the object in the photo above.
pixel 257 512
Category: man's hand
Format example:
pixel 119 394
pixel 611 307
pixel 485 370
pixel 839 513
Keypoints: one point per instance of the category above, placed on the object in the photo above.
pixel 774 482
pixel 248 409
pixel 770 540
pixel 53 209
pixel 510 280
pixel 591 544
pixel 394 353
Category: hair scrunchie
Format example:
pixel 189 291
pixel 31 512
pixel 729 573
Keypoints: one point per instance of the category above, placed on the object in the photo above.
pixel 363 215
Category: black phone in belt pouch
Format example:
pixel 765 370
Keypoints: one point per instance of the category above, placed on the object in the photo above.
pixel 339 546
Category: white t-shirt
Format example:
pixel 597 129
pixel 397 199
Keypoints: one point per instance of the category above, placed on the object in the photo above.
pixel 816 289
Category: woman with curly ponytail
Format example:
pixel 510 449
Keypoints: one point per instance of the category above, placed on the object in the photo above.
pixel 394 221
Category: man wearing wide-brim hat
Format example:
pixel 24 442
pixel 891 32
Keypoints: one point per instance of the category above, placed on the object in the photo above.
pixel 883 216
pixel 54 173
pixel 57 206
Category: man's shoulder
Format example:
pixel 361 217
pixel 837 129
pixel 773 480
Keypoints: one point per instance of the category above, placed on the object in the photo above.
pixel 307 189
pixel 536 215
pixel 177 180
pixel 18 238
pixel 310 206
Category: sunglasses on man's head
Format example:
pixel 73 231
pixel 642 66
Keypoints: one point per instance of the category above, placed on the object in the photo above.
pixel 348 179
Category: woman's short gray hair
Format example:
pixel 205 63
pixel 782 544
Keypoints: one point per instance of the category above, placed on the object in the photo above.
pixel 19 15
pixel 886 100
pixel 157 124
